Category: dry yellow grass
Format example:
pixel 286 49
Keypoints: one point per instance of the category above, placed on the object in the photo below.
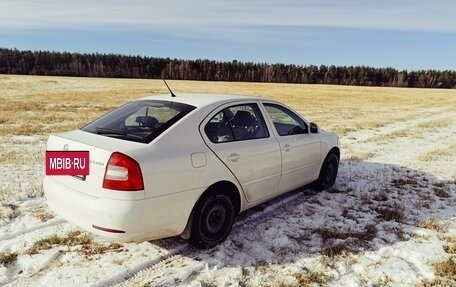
pixel 62 103
pixel 446 268
pixel 311 278
pixel 360 156
pixel 88 247
pixel 450 248
pixel 436 124
pixel 384 138
pixel 445 272
pixel 438 153
pixel 7 258
pixel 432 224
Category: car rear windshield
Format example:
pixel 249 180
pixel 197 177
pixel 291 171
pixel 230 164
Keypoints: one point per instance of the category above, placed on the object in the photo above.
pixel 140 121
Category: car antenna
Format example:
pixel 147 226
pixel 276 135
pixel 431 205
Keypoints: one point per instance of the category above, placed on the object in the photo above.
pixel 172 94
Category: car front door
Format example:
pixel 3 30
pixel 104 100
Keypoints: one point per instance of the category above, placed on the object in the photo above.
pixel 239 137
pixel 300 149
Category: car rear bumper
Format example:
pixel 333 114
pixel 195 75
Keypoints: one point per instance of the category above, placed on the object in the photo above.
pixel 140 220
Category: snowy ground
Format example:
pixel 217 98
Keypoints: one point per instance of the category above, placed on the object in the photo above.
pixel 387 221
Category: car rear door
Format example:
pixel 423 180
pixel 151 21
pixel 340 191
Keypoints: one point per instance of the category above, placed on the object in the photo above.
pixel 238 136
pixel 300 149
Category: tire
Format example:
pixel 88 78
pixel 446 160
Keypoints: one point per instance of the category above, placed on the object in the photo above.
pixel 328 173
pixel 213 219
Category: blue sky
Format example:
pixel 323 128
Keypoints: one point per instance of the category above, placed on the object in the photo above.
pixel 407 34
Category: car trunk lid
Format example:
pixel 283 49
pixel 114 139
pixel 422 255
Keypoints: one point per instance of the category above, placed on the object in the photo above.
pixel 100 150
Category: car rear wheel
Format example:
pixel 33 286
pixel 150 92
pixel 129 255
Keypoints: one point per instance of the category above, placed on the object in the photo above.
pixel 212 221
pixel 328 172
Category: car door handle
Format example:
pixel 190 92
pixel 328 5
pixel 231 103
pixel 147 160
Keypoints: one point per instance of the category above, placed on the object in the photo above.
pixel 233 157
pixel 286 147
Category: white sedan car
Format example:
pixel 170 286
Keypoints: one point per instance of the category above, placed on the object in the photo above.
pixel 163 166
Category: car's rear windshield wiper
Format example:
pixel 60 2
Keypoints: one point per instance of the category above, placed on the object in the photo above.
pixel 102 131
pixel 108 131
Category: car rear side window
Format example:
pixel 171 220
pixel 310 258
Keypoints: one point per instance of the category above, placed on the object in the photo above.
pixel 236 123
pixel 140 121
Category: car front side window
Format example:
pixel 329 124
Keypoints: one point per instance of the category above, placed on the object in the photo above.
pixel 236 123
pixel 285 121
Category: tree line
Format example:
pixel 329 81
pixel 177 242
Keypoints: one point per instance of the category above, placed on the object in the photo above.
pixel 13 61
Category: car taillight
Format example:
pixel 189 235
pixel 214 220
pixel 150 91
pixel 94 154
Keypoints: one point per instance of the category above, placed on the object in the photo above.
pixel 123 173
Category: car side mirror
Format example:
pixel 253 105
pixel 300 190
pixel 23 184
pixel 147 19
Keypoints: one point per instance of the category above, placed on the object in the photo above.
pixel 313 128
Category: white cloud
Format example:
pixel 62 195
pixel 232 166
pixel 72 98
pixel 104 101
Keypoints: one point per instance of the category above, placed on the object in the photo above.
pixel 418 15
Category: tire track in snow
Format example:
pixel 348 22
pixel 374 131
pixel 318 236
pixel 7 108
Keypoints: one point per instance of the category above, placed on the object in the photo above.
pixel 364 136
pixel 8 241
pixel 159 265
pixel 186 252
pixel 369 143
pixel 123 277
pixel 49 223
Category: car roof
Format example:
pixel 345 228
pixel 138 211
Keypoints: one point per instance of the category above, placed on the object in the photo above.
pixel 200 100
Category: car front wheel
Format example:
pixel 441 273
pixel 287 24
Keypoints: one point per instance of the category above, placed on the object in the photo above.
pixel 212 221
pixel 328 172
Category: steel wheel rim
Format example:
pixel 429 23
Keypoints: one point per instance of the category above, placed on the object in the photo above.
pixel 214 219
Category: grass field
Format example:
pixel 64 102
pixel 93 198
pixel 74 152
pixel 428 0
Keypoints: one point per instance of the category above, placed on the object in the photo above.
pixel 396 187
pixel 65 103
